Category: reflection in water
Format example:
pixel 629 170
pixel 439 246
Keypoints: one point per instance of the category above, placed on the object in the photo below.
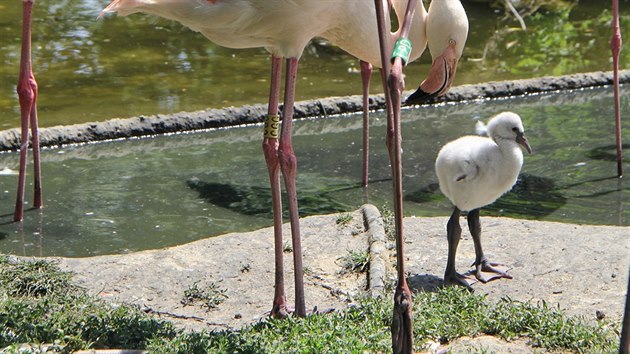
pixel 254 200
pixel 533 196
pixel 608 153
pixel 131 195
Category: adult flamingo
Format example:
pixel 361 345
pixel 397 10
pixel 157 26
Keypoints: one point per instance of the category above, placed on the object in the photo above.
pixel 27 93
pixel 284 28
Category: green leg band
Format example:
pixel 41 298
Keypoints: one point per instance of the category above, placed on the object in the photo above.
pixel 402 50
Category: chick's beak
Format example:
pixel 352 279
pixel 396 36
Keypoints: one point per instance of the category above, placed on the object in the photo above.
pixel 522 140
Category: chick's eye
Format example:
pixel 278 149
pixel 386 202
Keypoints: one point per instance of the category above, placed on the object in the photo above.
pixel 515 129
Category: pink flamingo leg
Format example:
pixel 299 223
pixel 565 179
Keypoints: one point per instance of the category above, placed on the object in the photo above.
pixel 270 150
pixel 615 46
pixel 27 93
pixel 402 322
pixel 37 171
pixel 288 166
pixel 366 75
pixel 624 342
pixel 402 328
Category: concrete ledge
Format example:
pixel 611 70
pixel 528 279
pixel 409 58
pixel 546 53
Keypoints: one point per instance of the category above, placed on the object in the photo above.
pixel 214 118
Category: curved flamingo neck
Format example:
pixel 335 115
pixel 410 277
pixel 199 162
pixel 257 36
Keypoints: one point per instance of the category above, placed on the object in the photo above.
pixel 417 32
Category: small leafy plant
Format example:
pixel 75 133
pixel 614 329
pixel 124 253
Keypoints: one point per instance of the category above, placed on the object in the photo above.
pixel 344 219
pixel 356 261
pixel 210 295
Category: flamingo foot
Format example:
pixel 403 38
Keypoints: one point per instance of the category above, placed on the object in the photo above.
pixel 402 324
pixel 486 267
pixel 281 311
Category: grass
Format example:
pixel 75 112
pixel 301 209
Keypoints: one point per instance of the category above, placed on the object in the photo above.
pixel 40 305
pixel 346 220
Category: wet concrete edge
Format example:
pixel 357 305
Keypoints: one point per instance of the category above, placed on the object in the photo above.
pixel 250 114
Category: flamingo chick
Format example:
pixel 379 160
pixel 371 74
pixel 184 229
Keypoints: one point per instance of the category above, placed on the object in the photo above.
pixel 473 172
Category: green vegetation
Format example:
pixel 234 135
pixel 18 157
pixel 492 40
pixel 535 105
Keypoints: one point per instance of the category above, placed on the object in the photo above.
pixel 40 305
pixel 344 219
pixel 528 7
pixel 441 316
pixel 210 295
pixel 389 225
pixel 356 261
pixel 555 43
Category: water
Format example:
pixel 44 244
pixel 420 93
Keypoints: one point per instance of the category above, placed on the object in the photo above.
pixel 132 195
pixel 93 70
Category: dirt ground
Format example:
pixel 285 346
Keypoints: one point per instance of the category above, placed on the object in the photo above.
pixel 241 264
pixel 582 269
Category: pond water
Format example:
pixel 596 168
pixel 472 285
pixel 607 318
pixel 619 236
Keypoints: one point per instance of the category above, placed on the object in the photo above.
pixel 93 70
pixel 132 195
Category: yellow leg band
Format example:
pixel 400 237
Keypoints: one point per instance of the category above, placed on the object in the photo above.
pixel 272 125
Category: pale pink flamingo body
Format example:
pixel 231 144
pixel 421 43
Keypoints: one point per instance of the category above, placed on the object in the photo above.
pixel 284 28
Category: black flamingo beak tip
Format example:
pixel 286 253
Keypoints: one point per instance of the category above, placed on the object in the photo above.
pixel 419 97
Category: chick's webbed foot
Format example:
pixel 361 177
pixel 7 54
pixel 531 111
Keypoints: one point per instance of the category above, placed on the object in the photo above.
pixel 454 278
pixel 487 271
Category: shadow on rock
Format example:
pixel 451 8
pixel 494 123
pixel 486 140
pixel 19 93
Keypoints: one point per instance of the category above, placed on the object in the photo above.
pixel 425 282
